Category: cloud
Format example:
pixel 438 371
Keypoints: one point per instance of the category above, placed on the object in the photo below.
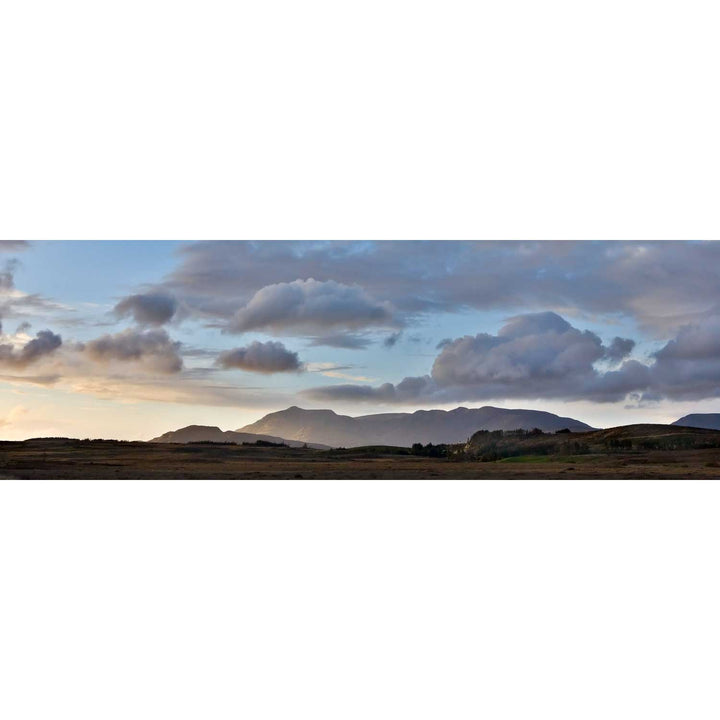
pixel 363 293
pixel 261 357
pixel 688 367
pixel 542 356
pixel 391 340
pixel 32 379
pixel 45 343
pixel 13 245
pixel 335 371
pixel 619 349
pixel 7 279
pixel 359 393
pixel 410 390
pixel 148 309
pixel 178 389
pixel 694 342
pixel 152 348
pixel 15 413
pixel 341 340
pixel 542 349
pixel 647 281
pixel 537 355
pixel 14 302
pixel 310 305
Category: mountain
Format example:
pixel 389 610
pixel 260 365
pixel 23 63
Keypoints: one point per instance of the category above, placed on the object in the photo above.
pixel 208 433
pixel 709 421
pixel 404 429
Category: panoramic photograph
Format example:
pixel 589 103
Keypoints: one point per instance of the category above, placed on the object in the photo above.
pixel 366 360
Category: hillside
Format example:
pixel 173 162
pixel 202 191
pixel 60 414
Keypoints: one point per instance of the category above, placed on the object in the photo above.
pixel 709 421
pixel 490 446
pixel 208 433
pixel 403 429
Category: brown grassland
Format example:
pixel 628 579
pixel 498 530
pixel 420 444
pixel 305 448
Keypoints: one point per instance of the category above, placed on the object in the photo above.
pixel 61 458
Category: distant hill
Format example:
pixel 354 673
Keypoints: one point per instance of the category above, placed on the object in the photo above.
pixel 627 438
pixel 403 429
pixel 709 421
pixel 208 433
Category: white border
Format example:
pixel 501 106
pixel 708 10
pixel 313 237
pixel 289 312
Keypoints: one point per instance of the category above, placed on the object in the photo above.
pixel 390 119
pixel 359 599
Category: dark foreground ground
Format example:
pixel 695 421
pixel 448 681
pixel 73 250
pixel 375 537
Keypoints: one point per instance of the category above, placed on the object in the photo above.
pixel 106 459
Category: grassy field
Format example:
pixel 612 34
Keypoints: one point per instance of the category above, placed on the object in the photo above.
pixel 107 459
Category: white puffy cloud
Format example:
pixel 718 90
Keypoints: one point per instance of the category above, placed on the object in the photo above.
pixel 538 355
pixel 543 356
pixel 310 306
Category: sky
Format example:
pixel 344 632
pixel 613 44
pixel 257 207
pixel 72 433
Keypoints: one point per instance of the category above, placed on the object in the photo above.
pixel 132 339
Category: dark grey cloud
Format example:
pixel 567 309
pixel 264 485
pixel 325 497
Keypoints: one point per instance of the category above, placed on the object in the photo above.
pixel 153 308
pixel 542 356
pixel 688 367
pixel 310 305
pixel 44 343
pixel 391 340
pixel 663 285
pixel 347 341
pixel 23 327
pixel 261 357
pixel 152 348
pixel 619 349
pixel 694 342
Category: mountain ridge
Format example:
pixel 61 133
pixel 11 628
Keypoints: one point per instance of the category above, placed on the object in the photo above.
pixel 403 429
pixel 212 433
pixel 707 421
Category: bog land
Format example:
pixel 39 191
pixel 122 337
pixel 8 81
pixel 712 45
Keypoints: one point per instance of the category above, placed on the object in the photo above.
pixel 629 452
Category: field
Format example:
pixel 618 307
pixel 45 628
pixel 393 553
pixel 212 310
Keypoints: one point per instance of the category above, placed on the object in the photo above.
pixel 108 459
